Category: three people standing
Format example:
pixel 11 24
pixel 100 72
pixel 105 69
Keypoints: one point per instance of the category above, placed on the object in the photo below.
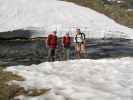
pixel 66 43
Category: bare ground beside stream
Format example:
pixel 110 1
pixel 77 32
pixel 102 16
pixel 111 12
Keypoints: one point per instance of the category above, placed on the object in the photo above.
pixel 27 51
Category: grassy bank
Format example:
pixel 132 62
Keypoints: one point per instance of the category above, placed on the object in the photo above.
pixel 119 13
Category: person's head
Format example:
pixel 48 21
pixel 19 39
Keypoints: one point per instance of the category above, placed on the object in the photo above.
pixel 67 34
pixel 77 31
pixel 54 32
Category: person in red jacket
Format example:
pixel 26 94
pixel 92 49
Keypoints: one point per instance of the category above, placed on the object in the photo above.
pixel 66 44
pixel 52 44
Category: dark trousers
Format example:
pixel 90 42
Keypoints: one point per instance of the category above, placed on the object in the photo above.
pixel 66 52
pixel 51 54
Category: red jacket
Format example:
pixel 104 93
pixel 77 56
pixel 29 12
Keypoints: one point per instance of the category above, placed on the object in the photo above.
pixel 52 41
pixel 66 41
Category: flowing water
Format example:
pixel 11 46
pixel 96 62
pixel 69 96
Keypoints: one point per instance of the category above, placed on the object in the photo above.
pixel 26 52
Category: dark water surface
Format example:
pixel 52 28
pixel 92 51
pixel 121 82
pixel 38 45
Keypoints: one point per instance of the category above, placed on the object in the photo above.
pixel 26 52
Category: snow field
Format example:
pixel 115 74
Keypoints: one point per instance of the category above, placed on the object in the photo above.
pixel 105 79
pixel 44 16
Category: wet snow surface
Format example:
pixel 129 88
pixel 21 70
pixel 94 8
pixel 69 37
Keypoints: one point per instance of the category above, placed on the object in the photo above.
pixel 104 79
pixel 43 16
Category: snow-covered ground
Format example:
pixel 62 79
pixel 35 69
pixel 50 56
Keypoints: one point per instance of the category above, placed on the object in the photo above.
pixel 47 15
pixel 104 79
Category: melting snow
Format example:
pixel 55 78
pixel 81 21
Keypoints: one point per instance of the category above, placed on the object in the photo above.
pixel 105 79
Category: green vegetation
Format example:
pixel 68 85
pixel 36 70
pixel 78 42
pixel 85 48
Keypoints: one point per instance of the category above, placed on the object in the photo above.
pixel 117 12
pixel 130 2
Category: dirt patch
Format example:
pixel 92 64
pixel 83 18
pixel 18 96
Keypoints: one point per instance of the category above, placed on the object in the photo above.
pixel 8 92
pixel 16 90
pixel 4 88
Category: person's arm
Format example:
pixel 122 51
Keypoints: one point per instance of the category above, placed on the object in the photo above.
pixel 45 42
pixel 70 41
pixel 48 41
pixel 57 42
pixel 76 39
pixel 84 37
pixel 63 40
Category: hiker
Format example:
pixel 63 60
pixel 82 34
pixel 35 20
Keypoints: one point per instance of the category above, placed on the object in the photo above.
pixel 52 44
pixel 66 46
pixel 80 44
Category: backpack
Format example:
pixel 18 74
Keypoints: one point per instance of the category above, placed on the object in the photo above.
pixel 52 41
pixel 80 38
pixel 66 40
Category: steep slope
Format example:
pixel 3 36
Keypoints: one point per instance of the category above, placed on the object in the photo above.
pixel 46 15
pixel 119 10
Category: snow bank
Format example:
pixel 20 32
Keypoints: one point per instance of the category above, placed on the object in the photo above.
pixel 105 79
pixel 43 16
